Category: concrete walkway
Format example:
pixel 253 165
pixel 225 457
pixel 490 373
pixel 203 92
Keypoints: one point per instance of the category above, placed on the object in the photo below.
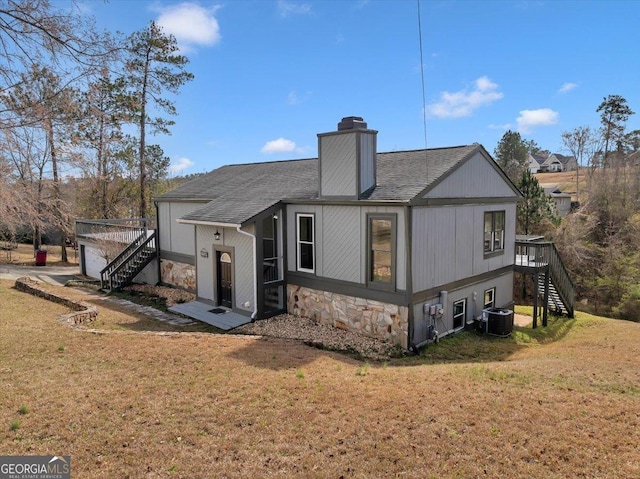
pixel 56 275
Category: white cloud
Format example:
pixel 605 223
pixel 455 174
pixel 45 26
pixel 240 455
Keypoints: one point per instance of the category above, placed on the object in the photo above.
pixel 280 145
pixel 504 126
pixel 566 87
pixel 293 98
pixel 181 165
pixel 463 103
pixel 191 24
pixel 290 8
pixel 529 119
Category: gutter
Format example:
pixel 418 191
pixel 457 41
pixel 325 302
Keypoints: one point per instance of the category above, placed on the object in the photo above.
pixel 207 223
pixel 255 273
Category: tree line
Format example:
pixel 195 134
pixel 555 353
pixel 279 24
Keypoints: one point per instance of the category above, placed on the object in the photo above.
pixel 600 240
pixel 79 110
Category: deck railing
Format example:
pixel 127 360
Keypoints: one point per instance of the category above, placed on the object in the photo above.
pixel 116 230
pixel 544 255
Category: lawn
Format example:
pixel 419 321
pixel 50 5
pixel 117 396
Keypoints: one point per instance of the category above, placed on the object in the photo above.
pixel 24 255
pixel 130 402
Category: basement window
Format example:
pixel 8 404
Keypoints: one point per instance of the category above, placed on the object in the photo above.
pixel 489 298
pixel 459 313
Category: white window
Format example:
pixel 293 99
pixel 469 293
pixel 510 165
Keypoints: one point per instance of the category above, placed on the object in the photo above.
pixel 489 298
pixel 305 240
pixel 459 313
pixel 493 231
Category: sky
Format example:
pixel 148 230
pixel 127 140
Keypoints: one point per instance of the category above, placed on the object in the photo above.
pixel 272 74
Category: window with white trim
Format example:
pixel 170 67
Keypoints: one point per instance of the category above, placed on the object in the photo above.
pixel 305 242
pixel 459 313
pixel 493 231
pixel 489 298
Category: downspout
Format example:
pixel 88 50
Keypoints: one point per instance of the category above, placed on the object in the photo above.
pixel 408 220
pixel 255 274
pixel 155 203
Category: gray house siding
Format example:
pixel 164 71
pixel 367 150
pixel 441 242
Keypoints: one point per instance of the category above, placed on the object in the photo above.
pixel 175 237
pixel 502 282
pixel 473 179
pixel 445 249
pixel 338 165
pixel 243 264
pixel 341 241
pixel 367 161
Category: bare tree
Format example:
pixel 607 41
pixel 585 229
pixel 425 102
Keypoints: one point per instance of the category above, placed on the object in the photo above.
pixel 583 143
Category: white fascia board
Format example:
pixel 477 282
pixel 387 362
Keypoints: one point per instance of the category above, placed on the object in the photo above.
pixel 207 223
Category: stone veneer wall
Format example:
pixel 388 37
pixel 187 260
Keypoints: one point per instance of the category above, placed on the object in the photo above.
pixel 177 274
pixel 373 318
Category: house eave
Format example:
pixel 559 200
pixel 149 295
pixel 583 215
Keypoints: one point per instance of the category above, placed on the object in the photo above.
pixel 207 223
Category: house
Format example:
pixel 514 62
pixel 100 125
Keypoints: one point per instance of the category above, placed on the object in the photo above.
pixel 561 200
pixel 395 245
pixel 557 162
pixel 535 161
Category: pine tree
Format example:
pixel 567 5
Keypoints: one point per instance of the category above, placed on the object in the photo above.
pixel 535 208
pixel 511 154
pixel 153 68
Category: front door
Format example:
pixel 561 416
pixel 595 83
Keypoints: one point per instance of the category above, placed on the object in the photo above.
pixel 225 287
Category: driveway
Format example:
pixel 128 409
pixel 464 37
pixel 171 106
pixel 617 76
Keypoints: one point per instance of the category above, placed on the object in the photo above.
pixel 57 275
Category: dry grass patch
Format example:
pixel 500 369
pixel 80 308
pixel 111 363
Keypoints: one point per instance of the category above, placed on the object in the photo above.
pixel 24 255
pixel 198 405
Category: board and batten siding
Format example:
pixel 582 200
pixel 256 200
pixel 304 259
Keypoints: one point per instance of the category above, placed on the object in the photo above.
pixel 448 243
pixel 243 263
pixel 176 237
pixel 473 179
pixel 341 241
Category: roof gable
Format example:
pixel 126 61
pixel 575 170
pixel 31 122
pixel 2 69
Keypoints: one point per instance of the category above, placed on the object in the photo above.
pixel 477 177
pixel 237 193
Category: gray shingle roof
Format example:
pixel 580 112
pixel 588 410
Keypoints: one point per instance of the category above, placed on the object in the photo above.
pixel 239 192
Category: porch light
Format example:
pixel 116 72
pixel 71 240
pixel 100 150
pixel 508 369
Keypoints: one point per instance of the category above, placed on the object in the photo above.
pixel 216 235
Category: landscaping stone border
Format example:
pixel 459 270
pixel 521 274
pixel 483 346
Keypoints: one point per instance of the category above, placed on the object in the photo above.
pixel 83 313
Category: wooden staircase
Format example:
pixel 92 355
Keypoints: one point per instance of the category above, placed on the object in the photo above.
pixel 552 282
pixel 129 263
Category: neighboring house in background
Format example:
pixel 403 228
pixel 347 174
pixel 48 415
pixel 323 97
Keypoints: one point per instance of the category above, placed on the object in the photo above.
pixel 557 162
pixel 382 243
pixel 562 200
pixel 535 161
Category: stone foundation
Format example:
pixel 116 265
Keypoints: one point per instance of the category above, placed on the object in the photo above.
pixel 380 320
pixel 181 275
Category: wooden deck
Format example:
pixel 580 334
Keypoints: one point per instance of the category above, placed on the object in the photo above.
pixel 202 312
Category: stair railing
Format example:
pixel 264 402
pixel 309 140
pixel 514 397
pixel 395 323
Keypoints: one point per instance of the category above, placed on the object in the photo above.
pixel 148 244
pixel 561 279
pixel 107 271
